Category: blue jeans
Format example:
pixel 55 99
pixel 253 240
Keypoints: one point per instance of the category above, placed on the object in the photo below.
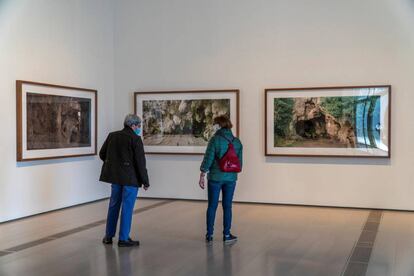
pixel 125 196
pixel 214 188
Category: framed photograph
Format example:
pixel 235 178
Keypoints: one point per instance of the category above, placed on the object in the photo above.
pixel 328 121
pixel 55 121
pixel 181 122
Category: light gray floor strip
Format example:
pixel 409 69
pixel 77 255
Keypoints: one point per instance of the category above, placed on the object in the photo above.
pixel 72 231
pixel 357 264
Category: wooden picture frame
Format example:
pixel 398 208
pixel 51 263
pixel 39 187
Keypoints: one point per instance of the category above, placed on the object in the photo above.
pixel 226 101
pixel 361 128
pixel 55 121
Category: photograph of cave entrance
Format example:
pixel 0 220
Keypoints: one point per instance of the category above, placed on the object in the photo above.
pixel 326 185
pixel 350 121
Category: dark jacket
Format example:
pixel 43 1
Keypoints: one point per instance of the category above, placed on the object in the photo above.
pixel 124 159
pixel 217 147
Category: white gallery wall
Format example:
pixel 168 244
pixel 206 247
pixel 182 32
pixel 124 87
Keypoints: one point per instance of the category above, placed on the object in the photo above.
pixel 59 42
pixel 253 45
pixel 122 46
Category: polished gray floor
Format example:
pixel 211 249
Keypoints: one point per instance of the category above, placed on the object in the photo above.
pixel 273 240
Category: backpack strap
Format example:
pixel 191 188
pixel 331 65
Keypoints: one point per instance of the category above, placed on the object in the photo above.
pixel 228 140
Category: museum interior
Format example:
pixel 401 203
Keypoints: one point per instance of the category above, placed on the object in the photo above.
pixel 317 176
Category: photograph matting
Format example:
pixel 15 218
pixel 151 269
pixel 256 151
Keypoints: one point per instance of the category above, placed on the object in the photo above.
pixel 33 88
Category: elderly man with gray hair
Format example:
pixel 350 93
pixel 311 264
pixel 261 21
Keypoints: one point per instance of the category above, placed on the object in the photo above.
pixel 125 168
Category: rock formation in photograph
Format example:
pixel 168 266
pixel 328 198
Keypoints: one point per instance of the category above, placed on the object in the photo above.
pixel 57 122
pixel 311 120
pixel 181 122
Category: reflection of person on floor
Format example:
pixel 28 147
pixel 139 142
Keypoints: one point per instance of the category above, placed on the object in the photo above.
pixel 125 168
pixel 219 180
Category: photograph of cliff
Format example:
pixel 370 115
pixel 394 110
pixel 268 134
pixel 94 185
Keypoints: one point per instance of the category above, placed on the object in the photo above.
pixel 181 122
pixel 55 122
pixel 328 122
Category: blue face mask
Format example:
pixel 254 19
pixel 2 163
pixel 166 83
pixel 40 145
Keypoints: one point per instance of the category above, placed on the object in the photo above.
pixel 138 131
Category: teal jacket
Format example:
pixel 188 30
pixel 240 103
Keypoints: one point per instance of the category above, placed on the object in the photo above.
pixel 217 147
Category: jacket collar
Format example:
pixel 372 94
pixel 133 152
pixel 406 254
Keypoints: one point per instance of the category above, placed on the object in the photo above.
pixel 225 132
pixel 128 130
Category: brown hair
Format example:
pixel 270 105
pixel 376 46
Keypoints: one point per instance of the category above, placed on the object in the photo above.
pixel 223 122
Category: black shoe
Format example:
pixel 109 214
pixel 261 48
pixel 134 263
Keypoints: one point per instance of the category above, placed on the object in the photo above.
pixel 128 243
pixel 107 240
pixel 209 239
pixel 229 239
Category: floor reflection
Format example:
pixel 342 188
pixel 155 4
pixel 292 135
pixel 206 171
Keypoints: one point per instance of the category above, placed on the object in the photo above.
pixel 219 263
pixel 118 261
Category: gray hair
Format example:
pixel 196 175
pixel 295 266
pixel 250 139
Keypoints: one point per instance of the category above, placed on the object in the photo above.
pixel 132 119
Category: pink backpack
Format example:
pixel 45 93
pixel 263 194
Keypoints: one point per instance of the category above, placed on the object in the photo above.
pixel 230 161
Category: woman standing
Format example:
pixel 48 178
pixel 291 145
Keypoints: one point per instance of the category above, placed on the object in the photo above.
pixel 219 177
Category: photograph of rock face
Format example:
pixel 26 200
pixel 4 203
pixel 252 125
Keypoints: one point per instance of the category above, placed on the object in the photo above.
pixel 330 122
pixel 181 122
pixel 355 120
pixel 57 122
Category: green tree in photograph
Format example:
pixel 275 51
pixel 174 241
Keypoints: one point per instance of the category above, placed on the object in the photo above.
pixel 283 108
pixel 341 107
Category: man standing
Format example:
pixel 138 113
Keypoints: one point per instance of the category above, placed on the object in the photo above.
pixel 125 168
